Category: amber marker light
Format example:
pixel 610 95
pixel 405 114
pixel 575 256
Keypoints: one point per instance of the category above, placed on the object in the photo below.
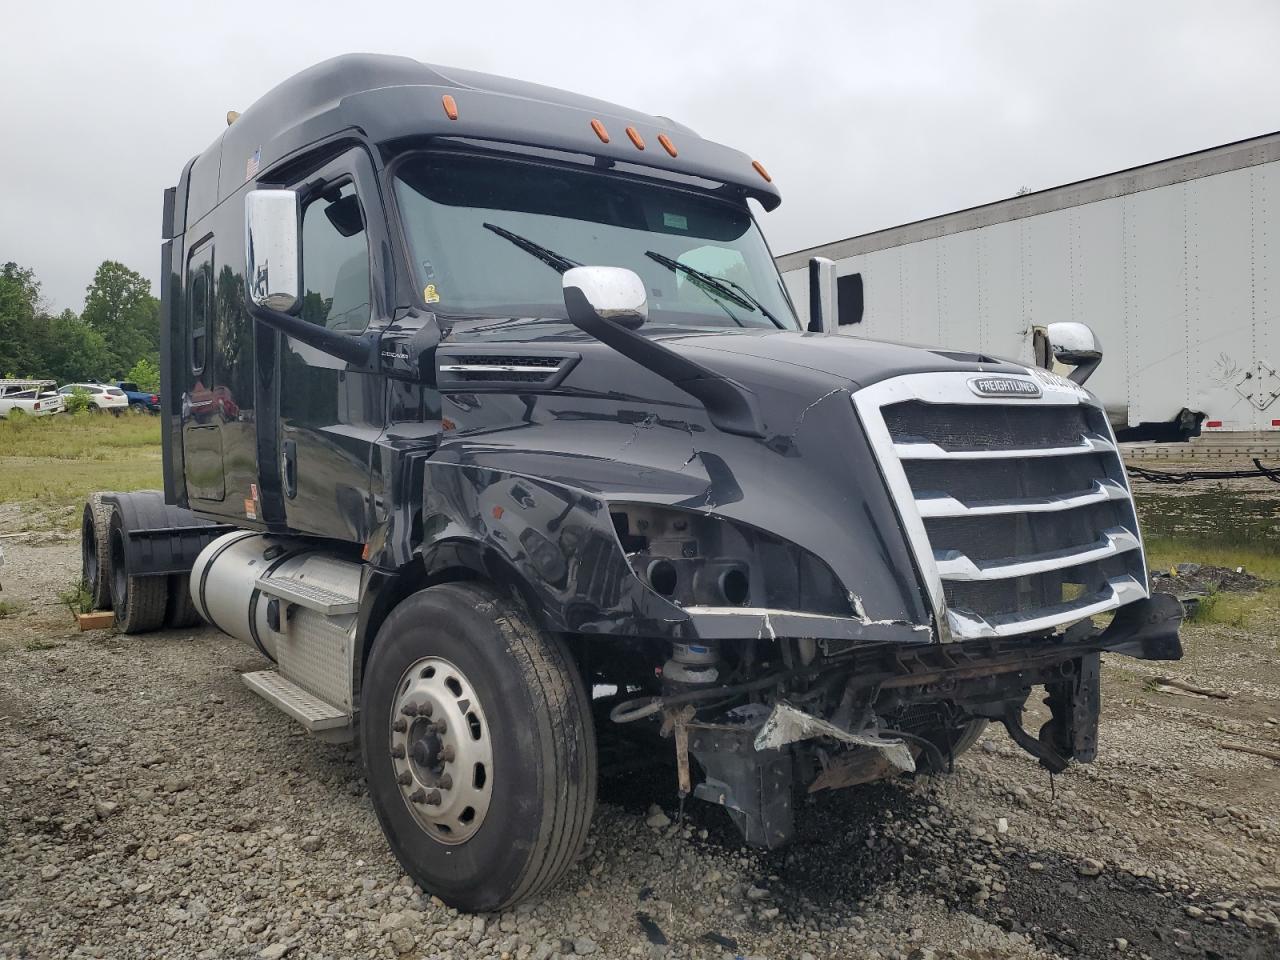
pixel 601 132
pixel 450 107
pixel 667 145
pixel 634 134
pixel 762 171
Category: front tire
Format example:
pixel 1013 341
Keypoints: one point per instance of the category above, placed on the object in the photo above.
pixel 508 736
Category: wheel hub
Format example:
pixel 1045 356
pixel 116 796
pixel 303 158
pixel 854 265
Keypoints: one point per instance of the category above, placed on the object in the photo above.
pixel 440 750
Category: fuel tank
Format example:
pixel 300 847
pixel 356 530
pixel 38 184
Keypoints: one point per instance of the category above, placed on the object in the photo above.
pixel 267 590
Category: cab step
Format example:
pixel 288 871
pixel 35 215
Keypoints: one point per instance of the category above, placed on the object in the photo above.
pixel 313 713
pixel 322 600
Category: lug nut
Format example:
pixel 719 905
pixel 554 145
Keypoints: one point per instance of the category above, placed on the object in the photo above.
pixel 405 778
pixel 446 753
pixel 437 727
pixel 418 796
pixel 434 799
pixel 400 725
pixel 409 709
pixel 445 782
pixel 398 752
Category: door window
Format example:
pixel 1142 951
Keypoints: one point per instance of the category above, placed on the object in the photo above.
pixel 199 303
pixel 335 261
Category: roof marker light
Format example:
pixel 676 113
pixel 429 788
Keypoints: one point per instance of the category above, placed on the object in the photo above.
pixel 450 107
pixel 601 132
pixel 667 145
pixel 634 134
pixel 762 171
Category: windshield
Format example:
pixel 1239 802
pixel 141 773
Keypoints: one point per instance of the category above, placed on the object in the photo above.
pixel 490 237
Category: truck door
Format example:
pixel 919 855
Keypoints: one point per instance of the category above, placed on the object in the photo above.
pixel 330 416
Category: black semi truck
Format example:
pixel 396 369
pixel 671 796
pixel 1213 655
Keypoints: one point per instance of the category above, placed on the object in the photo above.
pixel 488 420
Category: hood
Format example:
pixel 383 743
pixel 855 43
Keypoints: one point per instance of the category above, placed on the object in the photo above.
pixel 862 362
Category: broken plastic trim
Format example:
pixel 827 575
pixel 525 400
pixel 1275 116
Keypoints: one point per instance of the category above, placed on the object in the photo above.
pixel 785 724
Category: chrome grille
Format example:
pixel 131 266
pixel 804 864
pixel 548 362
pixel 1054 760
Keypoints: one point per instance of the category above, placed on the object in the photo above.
pixel 1018 509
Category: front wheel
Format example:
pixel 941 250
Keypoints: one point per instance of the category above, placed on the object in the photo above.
pixel 479 748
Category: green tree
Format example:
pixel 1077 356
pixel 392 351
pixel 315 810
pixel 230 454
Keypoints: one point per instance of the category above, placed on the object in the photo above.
pixel 120 307
pixel 146 374
pixel 71 351
pixel 19 305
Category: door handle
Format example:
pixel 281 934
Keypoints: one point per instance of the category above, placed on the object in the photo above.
pixel 290 468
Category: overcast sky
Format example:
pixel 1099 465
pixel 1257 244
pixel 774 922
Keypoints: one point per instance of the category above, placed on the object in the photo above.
pixel 866 114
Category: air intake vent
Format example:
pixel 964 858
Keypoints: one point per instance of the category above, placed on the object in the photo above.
pixel 475 372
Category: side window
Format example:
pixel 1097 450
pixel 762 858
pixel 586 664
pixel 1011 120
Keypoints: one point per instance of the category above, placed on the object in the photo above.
pixel 849 299
pixel 335 261
pixel 199 303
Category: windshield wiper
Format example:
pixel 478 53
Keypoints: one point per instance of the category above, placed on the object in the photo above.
pixel 548 256
pixel 729 289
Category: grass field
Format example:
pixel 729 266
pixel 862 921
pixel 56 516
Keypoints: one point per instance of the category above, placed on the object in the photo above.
pixel 48 465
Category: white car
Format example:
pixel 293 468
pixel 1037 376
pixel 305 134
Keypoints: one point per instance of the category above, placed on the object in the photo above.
pixel 101 395
pixel 36 398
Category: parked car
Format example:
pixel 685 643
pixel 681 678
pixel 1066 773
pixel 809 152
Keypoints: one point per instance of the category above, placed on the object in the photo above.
pixel 140 401
pixel 101 396
pixel 36 398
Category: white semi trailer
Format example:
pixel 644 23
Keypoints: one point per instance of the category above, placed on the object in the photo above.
pixel 1175 265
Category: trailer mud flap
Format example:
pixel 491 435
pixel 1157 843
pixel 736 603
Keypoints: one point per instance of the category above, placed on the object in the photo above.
pixel 755 786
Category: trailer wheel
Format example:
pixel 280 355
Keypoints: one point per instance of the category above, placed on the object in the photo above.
pixel 139 602
pixel 95 556
pixel 180 611
pixel 479 747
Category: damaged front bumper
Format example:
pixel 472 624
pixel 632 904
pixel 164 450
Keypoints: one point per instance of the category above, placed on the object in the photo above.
pixel 749 757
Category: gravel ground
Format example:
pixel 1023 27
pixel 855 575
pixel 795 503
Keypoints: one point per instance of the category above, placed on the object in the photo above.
pixel 151 806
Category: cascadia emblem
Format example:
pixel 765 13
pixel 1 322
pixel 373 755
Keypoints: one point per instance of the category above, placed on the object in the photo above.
pixel 1004 387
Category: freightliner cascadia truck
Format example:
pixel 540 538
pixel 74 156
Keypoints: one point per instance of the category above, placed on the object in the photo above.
pixel 488 420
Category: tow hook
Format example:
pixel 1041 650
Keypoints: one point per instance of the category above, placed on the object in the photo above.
pixel 1049 758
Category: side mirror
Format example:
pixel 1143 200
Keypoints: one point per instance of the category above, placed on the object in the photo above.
pixel 271 249
pixel 609 304
pixel 273 279
pixel 614 294
pixel 1076 345
pixel 822 295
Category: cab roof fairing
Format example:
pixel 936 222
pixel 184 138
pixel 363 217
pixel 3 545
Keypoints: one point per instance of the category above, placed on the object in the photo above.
pixel 385 99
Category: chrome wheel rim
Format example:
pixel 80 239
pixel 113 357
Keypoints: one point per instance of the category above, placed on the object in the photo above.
pixel 440 750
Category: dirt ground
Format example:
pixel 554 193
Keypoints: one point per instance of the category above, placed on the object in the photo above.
pixel 152 806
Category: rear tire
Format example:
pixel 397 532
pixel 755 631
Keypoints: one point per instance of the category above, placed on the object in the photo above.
pixel 180 611
pixel 95 556
pixel 138 407
pixel 139 602
pixel 537 735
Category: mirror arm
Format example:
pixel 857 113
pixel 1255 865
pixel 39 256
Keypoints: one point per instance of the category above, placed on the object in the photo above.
pixel 731 406
pixel 1084 370
pixel 359 351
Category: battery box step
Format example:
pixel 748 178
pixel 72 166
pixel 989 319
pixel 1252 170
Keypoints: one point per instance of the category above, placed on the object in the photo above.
pixel 309 595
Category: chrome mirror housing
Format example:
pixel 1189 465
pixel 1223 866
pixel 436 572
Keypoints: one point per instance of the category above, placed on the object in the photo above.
pixel 1076 345
pixel 822 295
pixel 271 249
pixel 614 294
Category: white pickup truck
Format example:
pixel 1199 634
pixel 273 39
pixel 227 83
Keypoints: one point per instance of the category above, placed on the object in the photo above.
pixel 36 398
